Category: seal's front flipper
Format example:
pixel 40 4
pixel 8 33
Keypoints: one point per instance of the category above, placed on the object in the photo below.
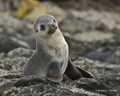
pixel 75 72
pixel 54 72
pixel 72 72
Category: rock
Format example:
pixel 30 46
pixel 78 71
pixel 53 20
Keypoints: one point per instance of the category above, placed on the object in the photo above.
pixel 8 86
pixel 105 82
pixel 93 85
pixel 30 40
pixel 31 9
pixel 20 52
pixel 9 43
pixel 13 64
pixel 111 56
pixel 41 87
pixel 55 10
pixel 92 36
pixel 77 21
pixel 13 27
pixel 6 76
pixel 3 72
pixel 9 20
pixel 86 31
pixel 94 41
pixel 11 6
pixel 2 55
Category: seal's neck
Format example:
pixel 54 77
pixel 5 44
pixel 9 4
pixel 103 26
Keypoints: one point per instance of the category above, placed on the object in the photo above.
pixel 39 46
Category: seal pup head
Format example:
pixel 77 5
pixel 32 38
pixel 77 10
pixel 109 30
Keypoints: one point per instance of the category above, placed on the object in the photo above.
pixel 45 25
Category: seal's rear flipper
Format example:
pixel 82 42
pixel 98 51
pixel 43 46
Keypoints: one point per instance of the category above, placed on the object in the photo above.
pixel 54 72
pixel 84 73
pixel 72 72
pixel 75 72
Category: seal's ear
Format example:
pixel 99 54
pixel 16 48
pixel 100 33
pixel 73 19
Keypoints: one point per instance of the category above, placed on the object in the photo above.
pixel 75 72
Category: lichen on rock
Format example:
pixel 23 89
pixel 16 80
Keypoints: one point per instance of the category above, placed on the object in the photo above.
pixel 30 9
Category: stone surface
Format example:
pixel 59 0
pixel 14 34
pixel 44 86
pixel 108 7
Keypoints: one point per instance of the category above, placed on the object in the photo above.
pixel 30 40
pixel 89 31
pixel 9 43
pixel 106 80
pixel 55 10
pixel 30 9
pixel 112 56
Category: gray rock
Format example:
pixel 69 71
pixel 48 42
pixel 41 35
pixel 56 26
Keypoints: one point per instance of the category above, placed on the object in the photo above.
pixel 10 5
pixel 77 21
pixel 9 43
pixel 30 40
pixel 55 10
pixel 13 64
pixel 9 20
pixel 3 72
pixel 112 56
pixel 105 83
pixel 14 27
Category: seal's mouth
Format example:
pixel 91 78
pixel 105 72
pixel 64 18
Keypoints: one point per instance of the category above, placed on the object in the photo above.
pixel 52 30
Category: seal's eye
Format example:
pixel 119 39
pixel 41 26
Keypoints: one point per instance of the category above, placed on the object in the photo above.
pixel 36 31
pixel 42 27
pixel 54 20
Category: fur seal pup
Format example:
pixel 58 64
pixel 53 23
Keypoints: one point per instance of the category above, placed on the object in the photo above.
pixel 51 57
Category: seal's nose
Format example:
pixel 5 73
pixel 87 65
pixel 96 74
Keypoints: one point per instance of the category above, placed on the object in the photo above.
pixel 42 27
pixel 53 26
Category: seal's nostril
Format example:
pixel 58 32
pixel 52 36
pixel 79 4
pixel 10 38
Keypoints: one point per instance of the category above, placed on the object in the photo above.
pixel 52 25
pixel 42 27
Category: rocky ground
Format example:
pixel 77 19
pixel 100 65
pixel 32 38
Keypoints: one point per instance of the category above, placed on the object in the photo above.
pixel 90 33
